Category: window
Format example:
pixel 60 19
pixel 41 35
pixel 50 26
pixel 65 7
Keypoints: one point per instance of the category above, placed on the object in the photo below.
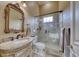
pixel 48 19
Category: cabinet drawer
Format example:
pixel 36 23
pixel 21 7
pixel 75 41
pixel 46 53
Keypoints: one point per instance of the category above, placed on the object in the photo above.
pixel 24 52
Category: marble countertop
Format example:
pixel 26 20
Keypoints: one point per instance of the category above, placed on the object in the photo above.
pixel 17 43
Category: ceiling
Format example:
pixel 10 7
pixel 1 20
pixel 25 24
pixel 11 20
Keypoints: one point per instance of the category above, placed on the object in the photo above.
pixel 40 3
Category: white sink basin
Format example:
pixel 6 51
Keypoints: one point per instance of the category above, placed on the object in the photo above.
pixel 17 43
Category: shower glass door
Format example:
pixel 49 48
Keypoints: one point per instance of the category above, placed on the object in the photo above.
pixel 49 33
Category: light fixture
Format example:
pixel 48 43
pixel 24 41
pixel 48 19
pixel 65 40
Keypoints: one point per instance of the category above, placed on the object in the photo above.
pixel 14 2
pixel 24 4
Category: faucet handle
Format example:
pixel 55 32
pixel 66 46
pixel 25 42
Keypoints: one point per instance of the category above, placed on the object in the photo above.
pixel 19 35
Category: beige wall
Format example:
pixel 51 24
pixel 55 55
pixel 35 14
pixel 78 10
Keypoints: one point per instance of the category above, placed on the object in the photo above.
pixel 2 21
pixel 65 6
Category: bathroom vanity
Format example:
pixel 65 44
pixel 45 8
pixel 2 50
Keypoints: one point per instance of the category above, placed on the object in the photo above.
pixel 16 48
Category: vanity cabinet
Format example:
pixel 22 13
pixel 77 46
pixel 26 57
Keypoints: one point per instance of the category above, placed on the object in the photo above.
pixel 24 51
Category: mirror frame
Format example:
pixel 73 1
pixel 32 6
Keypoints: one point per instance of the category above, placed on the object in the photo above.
pixel 7 12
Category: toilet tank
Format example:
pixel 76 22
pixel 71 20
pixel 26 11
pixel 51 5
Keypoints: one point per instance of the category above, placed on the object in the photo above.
pixel 35 39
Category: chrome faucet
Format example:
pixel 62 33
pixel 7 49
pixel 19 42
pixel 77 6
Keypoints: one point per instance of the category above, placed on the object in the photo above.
pixel 19 35
pixel 12 38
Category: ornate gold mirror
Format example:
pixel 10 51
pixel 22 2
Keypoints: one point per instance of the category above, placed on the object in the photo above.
pixel 14 19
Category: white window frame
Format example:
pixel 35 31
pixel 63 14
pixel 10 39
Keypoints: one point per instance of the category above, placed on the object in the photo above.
pixel 48 19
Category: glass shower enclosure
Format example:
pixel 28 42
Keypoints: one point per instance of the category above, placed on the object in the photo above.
pixel 47 29
pixel 48 32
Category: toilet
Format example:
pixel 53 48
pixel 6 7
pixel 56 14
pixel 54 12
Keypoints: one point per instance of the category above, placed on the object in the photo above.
pixel 38 47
